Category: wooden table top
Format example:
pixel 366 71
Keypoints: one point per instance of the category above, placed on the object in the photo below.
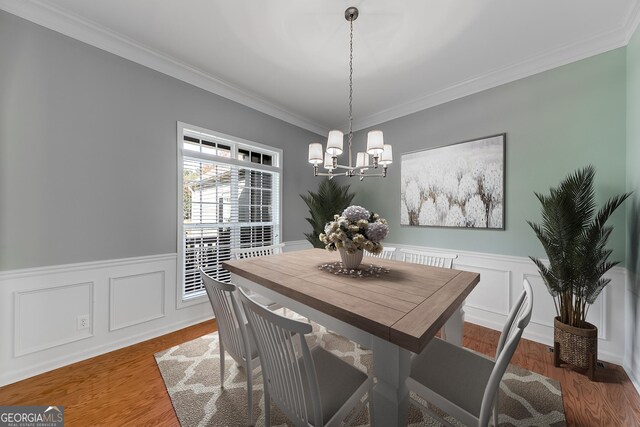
pixel 405 306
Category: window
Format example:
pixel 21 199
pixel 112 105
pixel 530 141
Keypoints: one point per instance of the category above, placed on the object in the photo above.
pixel 229 197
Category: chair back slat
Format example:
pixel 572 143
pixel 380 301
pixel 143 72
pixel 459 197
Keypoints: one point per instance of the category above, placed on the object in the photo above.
pixel 428 258
pixel 232 332
pixel 387 253
pixel 257 251
pixel 516 317
pixel 517 321
pixel 288 383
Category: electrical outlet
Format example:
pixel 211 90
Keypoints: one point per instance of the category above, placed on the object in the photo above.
pixel 83 322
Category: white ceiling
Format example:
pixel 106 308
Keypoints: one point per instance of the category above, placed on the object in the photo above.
pixel 289 58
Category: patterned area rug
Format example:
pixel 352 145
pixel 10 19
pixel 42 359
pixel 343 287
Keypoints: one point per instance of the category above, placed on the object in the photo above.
pixel 191 373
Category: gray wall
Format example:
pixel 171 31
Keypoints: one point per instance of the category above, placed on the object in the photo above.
pixel 88 151
pixel 556 122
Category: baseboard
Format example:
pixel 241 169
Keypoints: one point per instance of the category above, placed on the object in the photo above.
pixel 477 320
pixel 49 365
pixel 545 340
pixel 632 377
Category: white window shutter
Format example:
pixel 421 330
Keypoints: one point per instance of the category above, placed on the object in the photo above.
pixel 230 200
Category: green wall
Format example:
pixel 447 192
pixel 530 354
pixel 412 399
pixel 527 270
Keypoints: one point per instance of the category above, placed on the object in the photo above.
pixel 633 206
pixel 633 155
pixel 556 122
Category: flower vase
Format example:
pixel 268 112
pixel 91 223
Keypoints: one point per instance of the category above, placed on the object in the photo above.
pixel 351 261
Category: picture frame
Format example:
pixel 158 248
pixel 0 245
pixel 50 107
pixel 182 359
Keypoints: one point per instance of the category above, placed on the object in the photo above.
pixel 460 185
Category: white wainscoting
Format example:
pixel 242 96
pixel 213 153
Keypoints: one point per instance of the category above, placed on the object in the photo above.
pixel 500 284
pixel 39 322
pixel 126 301
pixel 632 332
pixel 125 311
pixel 132 300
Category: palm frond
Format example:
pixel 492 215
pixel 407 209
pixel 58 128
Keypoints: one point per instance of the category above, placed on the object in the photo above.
pixel 553 285
pixel 574 237
pixel 330 199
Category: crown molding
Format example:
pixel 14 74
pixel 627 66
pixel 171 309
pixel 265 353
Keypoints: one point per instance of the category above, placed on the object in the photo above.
pixel 70 25
pixel 632 22
pixel 545 61
pixel 48 16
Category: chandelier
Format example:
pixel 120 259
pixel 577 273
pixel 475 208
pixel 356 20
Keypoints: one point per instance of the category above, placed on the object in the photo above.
pixel 381 153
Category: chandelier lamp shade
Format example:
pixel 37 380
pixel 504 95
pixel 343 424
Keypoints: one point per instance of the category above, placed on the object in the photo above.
pixel 367 163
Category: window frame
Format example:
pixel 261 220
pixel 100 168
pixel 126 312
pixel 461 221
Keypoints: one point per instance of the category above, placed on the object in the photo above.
pixel 235 143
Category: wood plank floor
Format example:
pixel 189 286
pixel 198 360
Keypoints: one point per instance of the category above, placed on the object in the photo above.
pixel 124 387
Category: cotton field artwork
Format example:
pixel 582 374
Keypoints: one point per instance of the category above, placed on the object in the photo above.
pixel 459 185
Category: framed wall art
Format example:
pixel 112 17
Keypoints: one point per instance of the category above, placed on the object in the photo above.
pixel 459 185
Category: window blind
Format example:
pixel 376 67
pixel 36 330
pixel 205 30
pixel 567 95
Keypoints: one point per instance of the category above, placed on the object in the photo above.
pixel 230 200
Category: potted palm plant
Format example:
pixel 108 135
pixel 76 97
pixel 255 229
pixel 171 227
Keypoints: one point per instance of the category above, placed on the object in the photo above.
pixel 330 198
pixel 574 237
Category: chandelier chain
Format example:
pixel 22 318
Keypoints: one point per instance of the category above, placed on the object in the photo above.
pixel 350 87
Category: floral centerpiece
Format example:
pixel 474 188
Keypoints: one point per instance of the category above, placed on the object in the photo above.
pixel 355 230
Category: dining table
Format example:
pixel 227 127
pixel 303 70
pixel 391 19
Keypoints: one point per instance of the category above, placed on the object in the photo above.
pixel 392 307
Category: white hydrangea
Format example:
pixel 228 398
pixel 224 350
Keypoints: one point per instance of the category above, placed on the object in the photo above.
pixel 354 213
pixel 353 231
pixel 377 231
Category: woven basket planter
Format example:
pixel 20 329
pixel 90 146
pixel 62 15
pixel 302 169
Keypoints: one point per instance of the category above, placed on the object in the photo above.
pixel 576 346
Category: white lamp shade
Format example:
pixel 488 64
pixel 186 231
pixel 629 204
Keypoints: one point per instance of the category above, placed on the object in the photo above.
pixel 375 142
pixel 387 155
pixel 315 153
pixel 334 142
pixel 328 161
pixel 362 161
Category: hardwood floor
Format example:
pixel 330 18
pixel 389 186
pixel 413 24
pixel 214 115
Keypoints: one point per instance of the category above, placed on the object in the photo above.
pixel 124 387
pixel 120 388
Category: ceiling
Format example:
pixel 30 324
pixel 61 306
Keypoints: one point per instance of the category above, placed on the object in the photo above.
pixel 289 58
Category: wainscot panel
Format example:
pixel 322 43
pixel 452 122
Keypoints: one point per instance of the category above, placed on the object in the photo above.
pixel 54 316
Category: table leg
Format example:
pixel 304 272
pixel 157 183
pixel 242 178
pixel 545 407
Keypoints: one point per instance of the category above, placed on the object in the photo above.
pixel 391 365
pixel 453 330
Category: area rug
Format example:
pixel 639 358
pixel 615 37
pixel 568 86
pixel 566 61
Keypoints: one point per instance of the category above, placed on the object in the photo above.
pixel 191 373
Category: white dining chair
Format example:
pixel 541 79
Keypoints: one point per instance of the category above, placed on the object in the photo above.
pixel 234 336
pixel 463 383
pixel 387 253
pixel 434 259
pixel 313 387
pixel 242 253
